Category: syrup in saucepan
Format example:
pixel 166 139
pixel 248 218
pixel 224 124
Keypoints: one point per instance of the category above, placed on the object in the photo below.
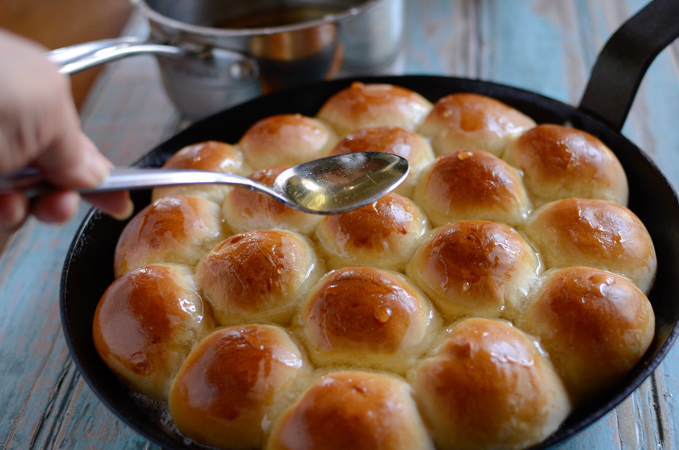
pixel 279 16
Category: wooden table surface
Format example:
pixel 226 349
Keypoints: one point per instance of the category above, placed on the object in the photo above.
pixel 547 46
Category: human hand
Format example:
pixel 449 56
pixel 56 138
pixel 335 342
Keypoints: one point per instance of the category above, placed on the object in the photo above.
pixel 39 127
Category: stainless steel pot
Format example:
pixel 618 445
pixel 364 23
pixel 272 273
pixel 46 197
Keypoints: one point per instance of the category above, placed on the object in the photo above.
pixel 214 54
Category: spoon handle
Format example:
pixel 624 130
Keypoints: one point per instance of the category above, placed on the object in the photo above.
pixel 31 182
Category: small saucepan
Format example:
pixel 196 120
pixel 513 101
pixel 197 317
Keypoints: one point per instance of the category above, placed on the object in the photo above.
pixel 615 78
pixel 214 54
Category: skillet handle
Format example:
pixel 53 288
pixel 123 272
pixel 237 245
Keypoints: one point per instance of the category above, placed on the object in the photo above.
pixel 622 63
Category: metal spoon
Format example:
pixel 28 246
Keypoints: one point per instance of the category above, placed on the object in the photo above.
pixel 330 185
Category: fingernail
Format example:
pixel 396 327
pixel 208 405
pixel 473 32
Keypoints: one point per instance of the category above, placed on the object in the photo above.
pixel 129 209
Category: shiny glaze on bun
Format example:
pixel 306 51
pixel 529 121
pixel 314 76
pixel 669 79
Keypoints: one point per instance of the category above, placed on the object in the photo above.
pixel 257 275
pixel 286 139
pixel 366 317
pixel 352 410
pixel 372 105
pixel 146 323
pixel 246 210
pixel 475 267
pixel 472 185
pixel 176 230
pixel 594 324
pixel 488 386
pixel 213 156
pixel 561 162
pixel 229 382
pixel 595 233
pixel 473 122
pixel 383 234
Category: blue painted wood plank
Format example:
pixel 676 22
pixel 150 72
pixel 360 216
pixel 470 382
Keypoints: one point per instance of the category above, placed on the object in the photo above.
pixel 523 49
pixel 602 435
pixel 422 55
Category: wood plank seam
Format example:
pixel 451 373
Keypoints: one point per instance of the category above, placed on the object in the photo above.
pixel 574 76
pixel 476 60
pixel 674 56
pixel 659 422
pixel 626 422
pixel 54 406
pixel 73 390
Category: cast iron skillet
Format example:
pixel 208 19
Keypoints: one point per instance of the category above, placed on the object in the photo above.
pixel 88 269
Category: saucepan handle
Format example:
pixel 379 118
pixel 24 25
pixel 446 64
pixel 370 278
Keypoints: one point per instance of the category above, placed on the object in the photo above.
pixel 79 57
pixel 622 63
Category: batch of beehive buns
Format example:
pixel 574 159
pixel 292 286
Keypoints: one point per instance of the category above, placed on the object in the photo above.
pixel 500 286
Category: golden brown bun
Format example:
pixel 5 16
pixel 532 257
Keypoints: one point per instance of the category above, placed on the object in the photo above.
pixel 366 317
pixel 468 121
pixel 395 140
pixel 212 156
pixel 227 384
pixel 286 139
pixel 475 267
pixel 488 386
pixel 595 325
pixel 146 323
pixel 561 162
pixel 371 105
pixel 382 234
pixel 246 210
pixel 257 275
pixel 472 185
pixel 594 233
pixel 352 410
pixel 177 230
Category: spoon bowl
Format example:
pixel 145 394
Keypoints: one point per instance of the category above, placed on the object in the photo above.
pixel 341 183
pixel 329 185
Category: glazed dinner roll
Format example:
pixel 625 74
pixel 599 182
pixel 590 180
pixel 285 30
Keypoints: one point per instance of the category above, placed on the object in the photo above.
pixel 257 275
pixel 286 139
pixel 475 268
pixel 352 410
pixel 146 323
pixel 561 162
pixel 246 210
pixel 176 230
pixel 594 233
pixel 371 105
pixel 383 234
pixel 487 387
pixel 594 324
pixel 212 156
pixel 366 317
pixel 471 121
pixel 466 185
pixel 394 140
pixel 227 385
